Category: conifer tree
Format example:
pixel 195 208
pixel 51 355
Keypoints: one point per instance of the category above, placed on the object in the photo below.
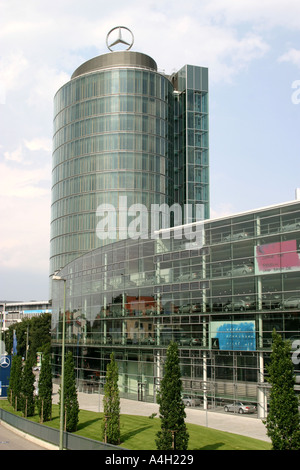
pixel 283 426
pixel 14 389
pixel 71 405
pixel 12 379
pixel 27 402
pixel 111 402
pixel 173 433
pixel 44 401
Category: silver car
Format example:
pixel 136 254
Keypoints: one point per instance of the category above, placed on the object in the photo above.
pixel 191 401
pixel 292 302
pixel 240 270
pixel 291 226
pixel 240 407
pixel 236 236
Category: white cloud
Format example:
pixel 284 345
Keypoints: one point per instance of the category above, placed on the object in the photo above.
pixel 39 144
pixel 25 217
pixel 12 66
pixel 292 56
pixel 25 236
pixel 261 14
pixel 15 155
pixel 23 183
pixel 222 210
pixel 44 84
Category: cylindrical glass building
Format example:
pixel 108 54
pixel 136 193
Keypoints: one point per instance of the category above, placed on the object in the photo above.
pixel 113 139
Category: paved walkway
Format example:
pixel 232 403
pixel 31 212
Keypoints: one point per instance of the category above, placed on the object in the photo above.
pixel 229 422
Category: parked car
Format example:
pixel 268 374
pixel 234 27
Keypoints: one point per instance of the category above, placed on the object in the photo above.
pixel 188 341
pixel 292 226
pixel 196 342
pixel 148 340
pixel 291 302
pixel 185 308
pixel 196 308
pixel 271 304
pixel 240 270
pixel 191 401
pixel 239 407
pixel 236 236
pixel 186 277
pixel 239 305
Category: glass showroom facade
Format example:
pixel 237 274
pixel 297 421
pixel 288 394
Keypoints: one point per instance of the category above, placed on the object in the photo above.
pixel 219 298
pixel 124 130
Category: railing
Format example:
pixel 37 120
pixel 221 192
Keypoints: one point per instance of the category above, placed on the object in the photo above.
pixel 50 435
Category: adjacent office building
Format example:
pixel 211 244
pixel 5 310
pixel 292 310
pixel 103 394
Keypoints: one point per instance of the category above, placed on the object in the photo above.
pixel 123 129
pixel 15 312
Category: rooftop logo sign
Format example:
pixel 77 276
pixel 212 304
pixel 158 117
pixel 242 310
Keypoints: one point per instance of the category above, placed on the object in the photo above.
pixel 119 35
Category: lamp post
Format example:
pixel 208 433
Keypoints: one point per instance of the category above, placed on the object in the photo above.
pixel 62 384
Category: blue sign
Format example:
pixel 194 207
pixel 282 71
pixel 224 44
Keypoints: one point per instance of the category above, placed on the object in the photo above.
pixel 233 336
pixel 5 366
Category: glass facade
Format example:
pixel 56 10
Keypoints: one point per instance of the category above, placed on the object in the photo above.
pixel 124 130
pixel 113 137
pixel 220 301
pixel 191 140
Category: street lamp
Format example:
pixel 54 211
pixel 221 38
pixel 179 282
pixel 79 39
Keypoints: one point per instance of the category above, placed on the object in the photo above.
pixel 55 277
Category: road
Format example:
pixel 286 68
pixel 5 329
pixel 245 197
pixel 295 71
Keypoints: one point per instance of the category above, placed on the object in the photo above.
pixel 10 440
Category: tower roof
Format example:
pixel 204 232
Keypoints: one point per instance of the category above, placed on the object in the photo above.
pixel 116 59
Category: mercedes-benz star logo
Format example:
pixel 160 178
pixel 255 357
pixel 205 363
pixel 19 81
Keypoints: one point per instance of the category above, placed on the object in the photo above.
pixel 118 39
pixel 4 361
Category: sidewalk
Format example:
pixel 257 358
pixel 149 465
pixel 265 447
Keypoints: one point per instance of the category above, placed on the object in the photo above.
pixel 244 425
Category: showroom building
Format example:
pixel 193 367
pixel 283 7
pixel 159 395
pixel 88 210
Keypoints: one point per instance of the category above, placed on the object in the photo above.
pixel 219 295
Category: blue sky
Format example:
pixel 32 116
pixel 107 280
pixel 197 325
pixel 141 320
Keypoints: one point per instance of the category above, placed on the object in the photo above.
pixel 252 50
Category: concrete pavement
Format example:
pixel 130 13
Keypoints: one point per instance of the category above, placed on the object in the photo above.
pixel 229 422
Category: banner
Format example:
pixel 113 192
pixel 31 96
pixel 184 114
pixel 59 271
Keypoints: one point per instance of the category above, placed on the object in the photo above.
pixel 233 336
pixel 277 257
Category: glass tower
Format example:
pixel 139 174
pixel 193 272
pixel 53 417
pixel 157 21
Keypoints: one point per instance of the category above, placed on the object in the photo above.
pixel 191 159
pixel 124 134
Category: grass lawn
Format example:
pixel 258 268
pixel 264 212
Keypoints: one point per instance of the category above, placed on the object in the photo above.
pixel 139 432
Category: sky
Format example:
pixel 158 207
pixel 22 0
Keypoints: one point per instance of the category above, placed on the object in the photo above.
pixel 252 50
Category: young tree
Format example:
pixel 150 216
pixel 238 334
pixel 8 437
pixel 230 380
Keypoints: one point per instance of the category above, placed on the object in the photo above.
pixel 283 426
pixel 27 390
pixel 71 405
pixel 44 401
pixel 14 389
pixel 173 433
pixel 111 402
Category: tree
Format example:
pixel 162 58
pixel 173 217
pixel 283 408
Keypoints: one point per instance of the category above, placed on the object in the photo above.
pixel 32 332
pixel 173 433
pixel 283 426
pixel 27 403
pixel 111 402
pixel 14 389
pixel 44 401
pixel 12 379
pixel 71 405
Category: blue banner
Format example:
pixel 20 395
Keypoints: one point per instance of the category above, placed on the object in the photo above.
pixel 5 365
